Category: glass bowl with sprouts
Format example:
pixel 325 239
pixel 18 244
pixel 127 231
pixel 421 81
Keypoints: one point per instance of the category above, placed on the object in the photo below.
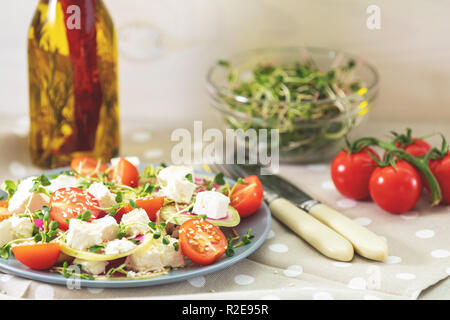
pixel 314 97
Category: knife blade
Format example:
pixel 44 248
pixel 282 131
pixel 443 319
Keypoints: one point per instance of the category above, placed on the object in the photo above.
pixel 365 242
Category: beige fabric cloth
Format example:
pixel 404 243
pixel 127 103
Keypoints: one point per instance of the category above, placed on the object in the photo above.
pixel 285 267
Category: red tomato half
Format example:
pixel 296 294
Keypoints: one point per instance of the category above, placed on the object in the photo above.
pixel 68 203
pixel 201 241
pixel 37 256
pixel 247 198
pixel 88 166
pixel 126 173
pixel 150 205
pixel 418 148
pixel 441 171
pixel 351 172
pixel 396 190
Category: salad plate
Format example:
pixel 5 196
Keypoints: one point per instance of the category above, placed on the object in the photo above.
pixel 259 223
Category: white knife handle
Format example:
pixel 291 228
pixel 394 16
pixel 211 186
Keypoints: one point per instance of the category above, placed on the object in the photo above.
pixel 325 240
pixel 365 242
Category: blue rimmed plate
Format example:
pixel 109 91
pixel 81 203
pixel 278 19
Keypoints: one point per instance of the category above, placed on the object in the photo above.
pixel 259 222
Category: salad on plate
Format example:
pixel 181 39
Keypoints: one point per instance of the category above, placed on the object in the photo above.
pixel 112 222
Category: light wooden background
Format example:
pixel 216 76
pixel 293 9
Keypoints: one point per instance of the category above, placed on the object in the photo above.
pixel 411 50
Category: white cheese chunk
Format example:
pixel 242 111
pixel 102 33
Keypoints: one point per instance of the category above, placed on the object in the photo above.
pixel 92 267
pixel 22 227
pixel 136 222
pixel 62 181
pixel 156 257
pixel 134 160
pixel 211 203
pixel 101 192
pixel 23 198
pixel 6 232
pixel 83 235
pixel 119 246
pixel 175 185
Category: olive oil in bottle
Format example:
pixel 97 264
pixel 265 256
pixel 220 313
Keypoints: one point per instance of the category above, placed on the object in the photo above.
pixel 72 71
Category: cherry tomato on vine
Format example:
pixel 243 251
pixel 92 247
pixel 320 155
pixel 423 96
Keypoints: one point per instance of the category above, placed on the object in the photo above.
pixel 441 171
pixel 395 190
pixel 418 147
pixel 351 172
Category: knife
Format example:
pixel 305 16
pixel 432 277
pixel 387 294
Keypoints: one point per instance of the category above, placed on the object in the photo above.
pixel 290 197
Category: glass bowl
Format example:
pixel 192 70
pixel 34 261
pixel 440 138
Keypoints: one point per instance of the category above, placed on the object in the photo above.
pixel 300 140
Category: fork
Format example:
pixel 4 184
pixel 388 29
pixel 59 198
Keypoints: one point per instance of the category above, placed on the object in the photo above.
pixel 318 235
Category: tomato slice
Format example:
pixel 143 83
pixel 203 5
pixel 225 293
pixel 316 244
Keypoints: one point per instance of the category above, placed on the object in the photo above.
pixel 149 204
pixel 247 198
pixel 201 241
pixel 68 203
pixel 126 173
pixel 37 256
pixel 88 166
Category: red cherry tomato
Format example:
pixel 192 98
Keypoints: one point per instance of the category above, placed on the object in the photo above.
pixel 351 172
pixel 441 171
pixel 68 203
pixel 247 198
pixel 419 147
pixel 396 190
pixel 150 205
pixel 37 256
pixel 88 166
pixel 201 241
pixel 126 173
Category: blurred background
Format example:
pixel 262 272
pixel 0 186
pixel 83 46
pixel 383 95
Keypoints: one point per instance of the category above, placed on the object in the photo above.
pixel 166 47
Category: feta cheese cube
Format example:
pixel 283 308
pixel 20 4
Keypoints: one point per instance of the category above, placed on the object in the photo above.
pixel 62 181
pixel 175 185
pixel 83 235
pixel 101 192
pixel 136 221
pixel 119 246
pixel 134 161
pixel 23 198
pixel 213 204
pixel 6 232
pixel 156 257
pixel 92 267
pixel 22 227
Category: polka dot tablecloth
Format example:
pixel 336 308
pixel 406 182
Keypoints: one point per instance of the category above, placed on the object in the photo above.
pixel 285 267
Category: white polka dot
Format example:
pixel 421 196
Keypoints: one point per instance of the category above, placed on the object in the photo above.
pixel 95 290
pixel 371 297
pixel 243 279
pixel 363 221
pixel 405 276
pixel 271 234
pixel 17 169
pixel 293 271
pixel 425 234
pixel 44 292
pixel 357 283
pixel 346 203
pixel 392 260
pixel 278 247
pixel 440 253
pixel 341 264
pixel 141 136
pixel 317 167
pixel 411 215
pixel 270 297
pixel 197 282
pixel 328 185
pixel 323 296
pixel 6 277
pixel 21 127
pixel 153 153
